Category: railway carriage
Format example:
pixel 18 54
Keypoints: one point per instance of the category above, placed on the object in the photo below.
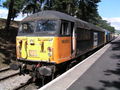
pixel 48 40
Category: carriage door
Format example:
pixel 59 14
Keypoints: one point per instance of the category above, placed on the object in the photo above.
pixel 95 39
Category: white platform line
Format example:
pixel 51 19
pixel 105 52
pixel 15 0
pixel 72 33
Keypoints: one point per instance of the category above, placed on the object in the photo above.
pixel 66 79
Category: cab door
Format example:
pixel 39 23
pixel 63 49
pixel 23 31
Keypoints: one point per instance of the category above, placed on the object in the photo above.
pixel 65 41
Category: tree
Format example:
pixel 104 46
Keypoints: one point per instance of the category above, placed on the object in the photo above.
pixel 30 6
pixel 88 10
pixel 33 6
pixel 14 8
pixel 82 9
pixel 9 15
pixel 17 7
pixel 66 6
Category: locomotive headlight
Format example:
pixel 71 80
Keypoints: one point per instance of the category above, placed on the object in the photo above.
pixel 32 42
pixel 49 49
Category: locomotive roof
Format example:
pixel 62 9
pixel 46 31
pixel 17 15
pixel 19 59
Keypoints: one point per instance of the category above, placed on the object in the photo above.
pixel 49 14
pixel 55 15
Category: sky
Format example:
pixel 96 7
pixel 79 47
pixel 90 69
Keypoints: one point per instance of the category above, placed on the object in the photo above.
pixel 108 10
pixel 4 13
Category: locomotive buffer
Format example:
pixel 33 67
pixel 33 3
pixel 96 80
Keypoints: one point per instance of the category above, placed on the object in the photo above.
pixel 100 71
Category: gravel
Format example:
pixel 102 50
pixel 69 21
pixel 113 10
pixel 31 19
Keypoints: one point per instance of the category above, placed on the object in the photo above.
pixel 7 73
pixel 12 83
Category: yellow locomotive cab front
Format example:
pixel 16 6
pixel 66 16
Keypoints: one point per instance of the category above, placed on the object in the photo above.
pixel 44 49
pixel 34 48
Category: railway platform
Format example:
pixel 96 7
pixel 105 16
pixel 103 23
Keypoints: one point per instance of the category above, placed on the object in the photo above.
pixel 100 71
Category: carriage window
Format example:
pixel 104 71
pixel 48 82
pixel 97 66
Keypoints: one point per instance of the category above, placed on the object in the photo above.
pixel 65 28
pixel 83 34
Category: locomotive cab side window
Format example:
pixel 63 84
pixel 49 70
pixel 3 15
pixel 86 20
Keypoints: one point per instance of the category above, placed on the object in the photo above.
pixel 65 28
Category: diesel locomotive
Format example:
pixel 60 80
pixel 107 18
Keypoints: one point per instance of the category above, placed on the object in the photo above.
pixel 50 40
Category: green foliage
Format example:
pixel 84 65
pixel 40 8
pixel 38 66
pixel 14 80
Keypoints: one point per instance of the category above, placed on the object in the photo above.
pixel 18 5
pixel 66 6
pixel 83 9
pixel 30 6
pixel 87 9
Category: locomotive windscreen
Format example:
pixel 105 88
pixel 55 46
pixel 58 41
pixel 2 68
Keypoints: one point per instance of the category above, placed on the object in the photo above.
pixel 46 27
pixel 27 27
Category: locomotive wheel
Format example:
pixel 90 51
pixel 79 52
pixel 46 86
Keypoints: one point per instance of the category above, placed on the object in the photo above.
pixel 43 80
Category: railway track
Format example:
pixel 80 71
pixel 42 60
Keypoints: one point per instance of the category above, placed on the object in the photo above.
pixel 7 73
pixel 11 80
pixel 4 69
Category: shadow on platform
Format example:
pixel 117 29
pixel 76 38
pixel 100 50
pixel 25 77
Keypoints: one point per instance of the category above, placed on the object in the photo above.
pixel 115 84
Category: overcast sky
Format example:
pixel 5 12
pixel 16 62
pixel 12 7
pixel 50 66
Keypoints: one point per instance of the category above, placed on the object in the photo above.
pixel 108 10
